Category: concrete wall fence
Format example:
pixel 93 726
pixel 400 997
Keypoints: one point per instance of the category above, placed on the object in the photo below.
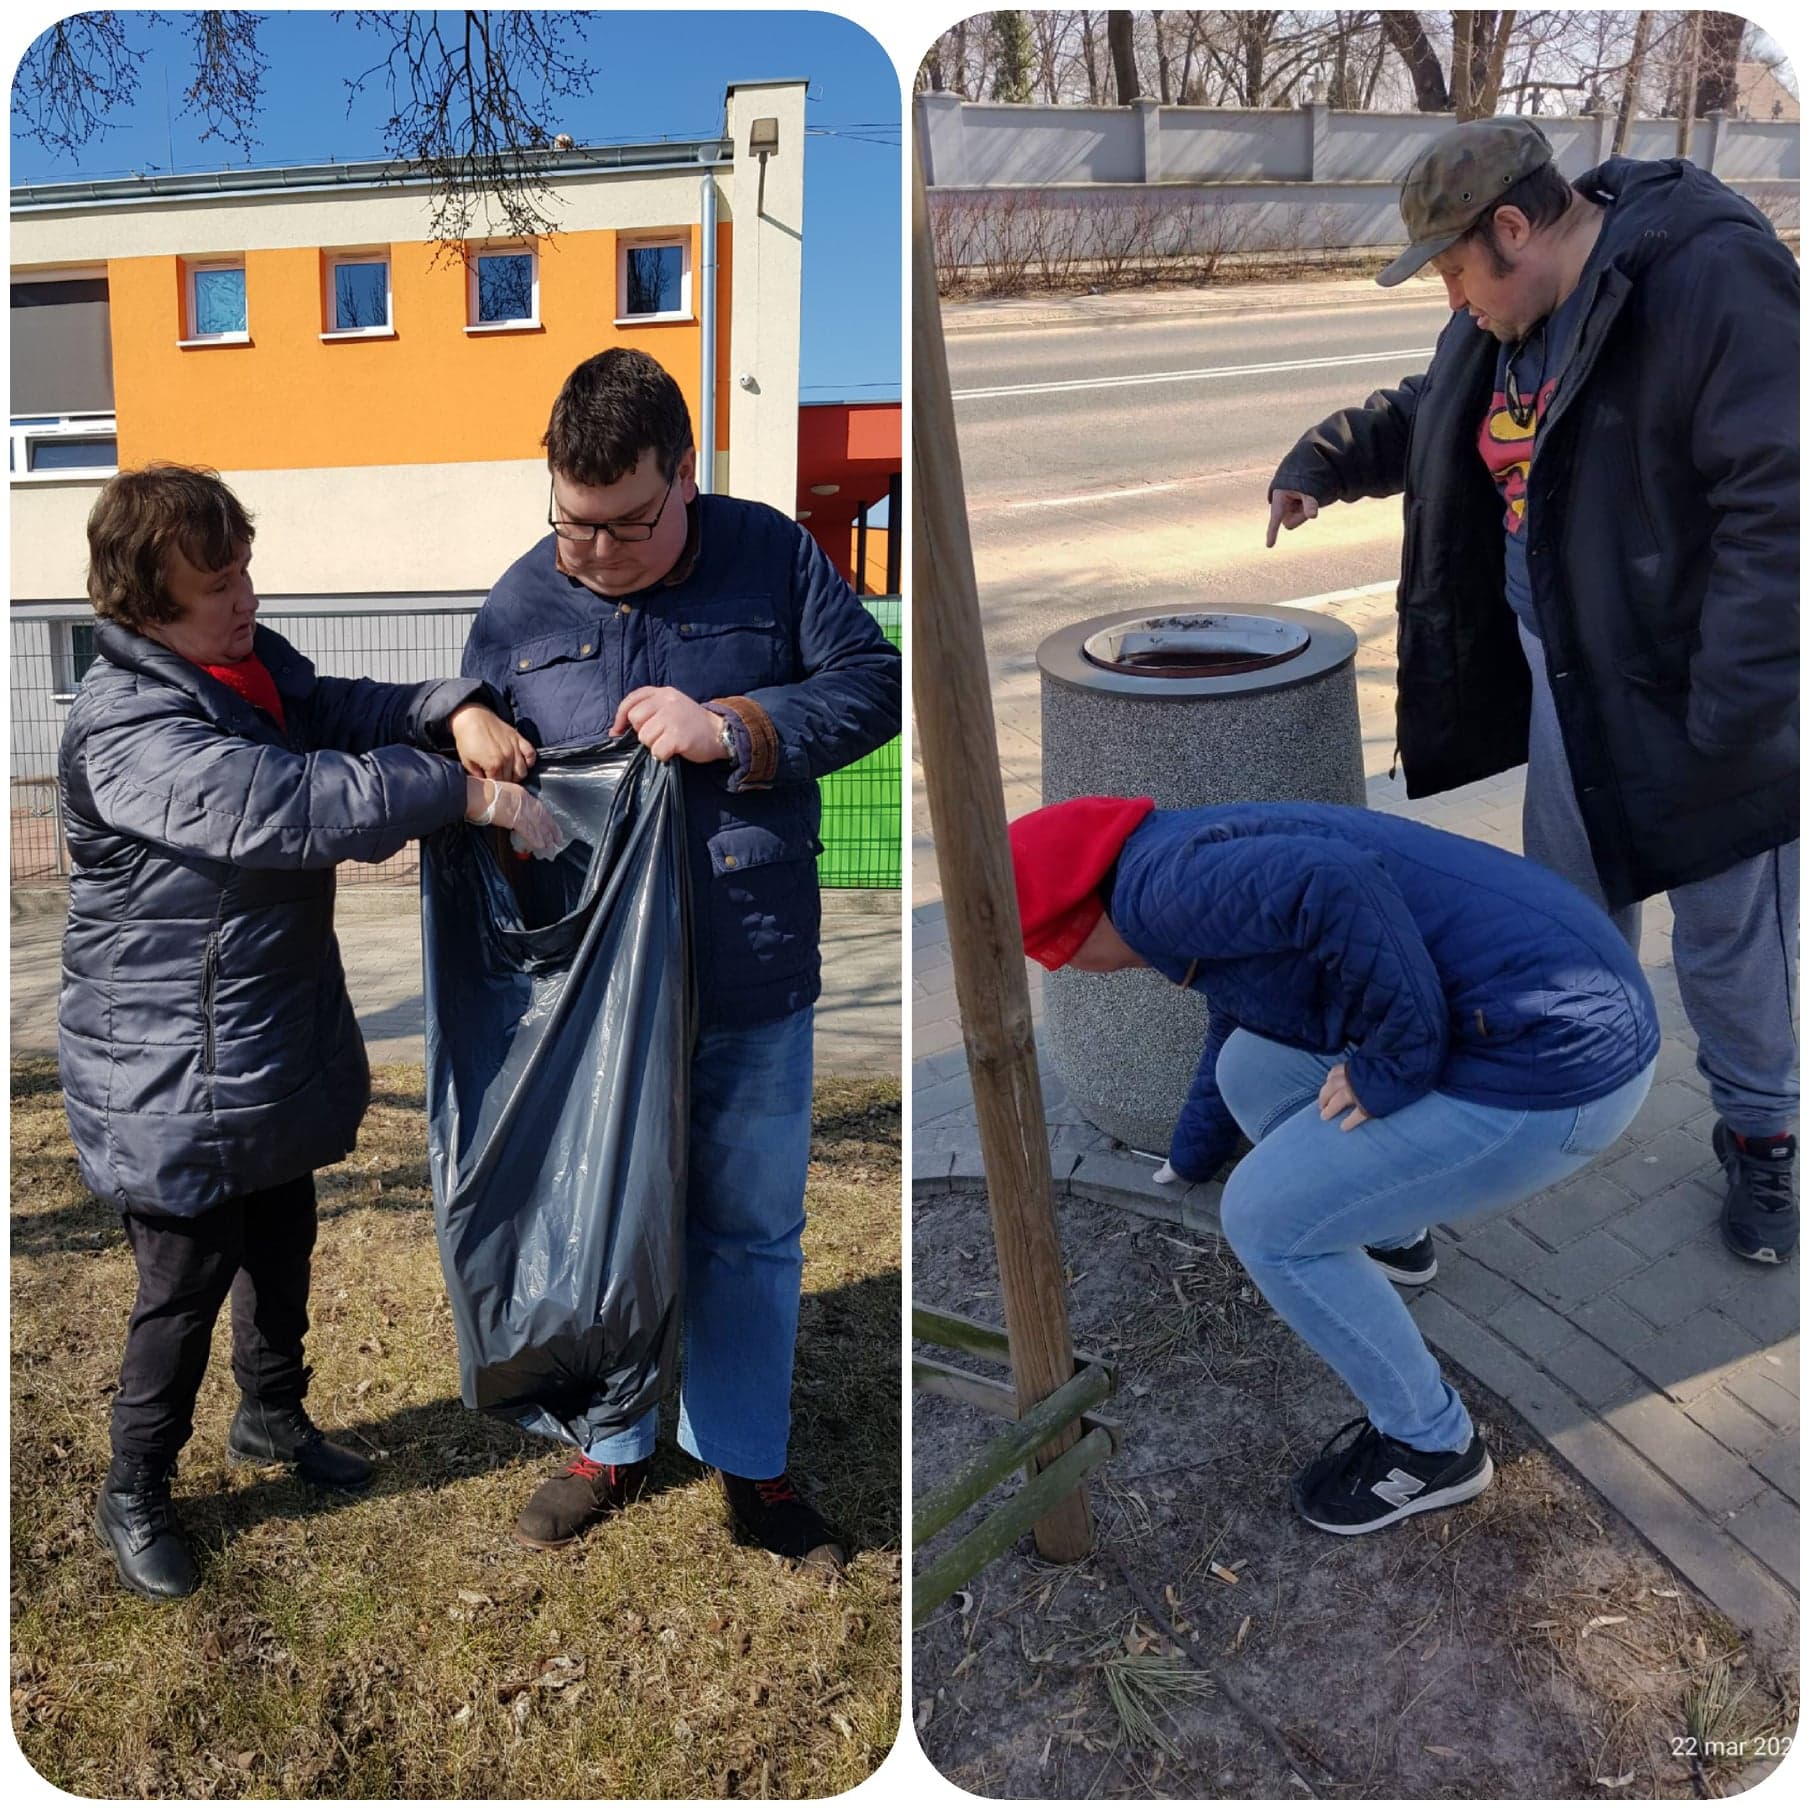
pixel 1295 179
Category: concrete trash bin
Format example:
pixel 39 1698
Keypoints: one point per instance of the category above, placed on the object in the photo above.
pixel 1189 708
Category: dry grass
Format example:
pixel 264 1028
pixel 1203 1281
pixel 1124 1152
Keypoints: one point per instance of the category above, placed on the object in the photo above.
pixel 401 1645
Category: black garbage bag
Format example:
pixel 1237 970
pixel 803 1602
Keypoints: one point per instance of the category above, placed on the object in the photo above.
pixel 559 1034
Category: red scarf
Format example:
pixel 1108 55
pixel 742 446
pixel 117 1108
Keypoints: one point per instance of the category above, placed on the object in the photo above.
pixel 251 679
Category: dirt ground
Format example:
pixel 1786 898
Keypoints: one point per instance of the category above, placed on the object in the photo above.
pixel 1527 1645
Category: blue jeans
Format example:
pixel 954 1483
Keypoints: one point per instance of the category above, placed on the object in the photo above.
pixel 1300 1208
pixel 744 1260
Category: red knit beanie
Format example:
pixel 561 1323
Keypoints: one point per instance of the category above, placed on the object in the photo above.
pixel 1060 855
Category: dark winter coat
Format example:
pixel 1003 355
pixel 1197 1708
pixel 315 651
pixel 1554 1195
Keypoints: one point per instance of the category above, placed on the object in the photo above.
pixel 755 614
pixel 1662 513
pixel 1439 963
pixel 205 1040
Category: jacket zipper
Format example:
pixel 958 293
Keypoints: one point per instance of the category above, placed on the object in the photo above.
pixel 210 966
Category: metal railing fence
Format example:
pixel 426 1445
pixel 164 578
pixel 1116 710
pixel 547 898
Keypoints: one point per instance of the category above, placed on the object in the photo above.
pixel 52 643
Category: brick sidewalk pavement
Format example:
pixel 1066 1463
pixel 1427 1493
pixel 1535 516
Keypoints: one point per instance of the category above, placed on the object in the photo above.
pixel 1605 1311
pixel 857 1030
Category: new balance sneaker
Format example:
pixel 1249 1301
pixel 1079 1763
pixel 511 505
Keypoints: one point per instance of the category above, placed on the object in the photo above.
pixel 1373 1480
pixel 768 1512
pixel 566 1506
pixel 1759 1215
pixel 1409 1264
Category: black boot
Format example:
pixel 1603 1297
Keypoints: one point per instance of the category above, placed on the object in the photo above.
pixel 768 1512
pixel 136 1523
pixel 263 1433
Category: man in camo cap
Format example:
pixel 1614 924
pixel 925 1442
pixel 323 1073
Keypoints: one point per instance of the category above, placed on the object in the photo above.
pixel 1600 572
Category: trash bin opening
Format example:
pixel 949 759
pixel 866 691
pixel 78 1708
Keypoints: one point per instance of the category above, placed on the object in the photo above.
pixel 1194 646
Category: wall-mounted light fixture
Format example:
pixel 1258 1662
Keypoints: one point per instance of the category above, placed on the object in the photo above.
pixel 763 142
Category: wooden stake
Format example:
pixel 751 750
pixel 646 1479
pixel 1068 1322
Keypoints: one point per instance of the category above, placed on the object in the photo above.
pixel 952 699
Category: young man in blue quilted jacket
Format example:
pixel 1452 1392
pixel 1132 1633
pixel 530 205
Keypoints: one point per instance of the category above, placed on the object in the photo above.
pixel 1421 1027
pixel 720 634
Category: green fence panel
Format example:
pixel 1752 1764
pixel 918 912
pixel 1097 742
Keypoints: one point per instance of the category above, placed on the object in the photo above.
pixel 863 804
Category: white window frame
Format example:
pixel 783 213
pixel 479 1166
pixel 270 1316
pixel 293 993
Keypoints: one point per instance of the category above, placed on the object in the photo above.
pixel 648 242
pixel 503 248
pixel 193 336
pixel 375 255
pixel 63 682
pixel 25 434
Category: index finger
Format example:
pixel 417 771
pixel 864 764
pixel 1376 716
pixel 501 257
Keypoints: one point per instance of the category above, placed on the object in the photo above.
pixel 1275 519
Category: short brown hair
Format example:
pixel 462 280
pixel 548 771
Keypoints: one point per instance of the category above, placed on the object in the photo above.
pixel 610 411
pixel 138 518
pixel 1543 195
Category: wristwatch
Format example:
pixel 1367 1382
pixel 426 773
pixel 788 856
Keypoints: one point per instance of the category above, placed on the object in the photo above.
pixel 727 736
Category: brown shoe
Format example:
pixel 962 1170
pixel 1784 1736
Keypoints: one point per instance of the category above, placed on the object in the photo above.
pixel 768 1512
pixel 566 1506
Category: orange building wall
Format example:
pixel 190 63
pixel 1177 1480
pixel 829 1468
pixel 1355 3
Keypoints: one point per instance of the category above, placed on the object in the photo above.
pixel 433 394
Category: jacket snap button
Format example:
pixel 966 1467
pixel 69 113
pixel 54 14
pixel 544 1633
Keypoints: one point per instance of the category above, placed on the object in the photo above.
pixel 728 860
pixel 521 666
pixel 585 649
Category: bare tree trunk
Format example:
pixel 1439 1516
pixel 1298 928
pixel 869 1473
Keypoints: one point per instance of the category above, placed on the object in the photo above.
pixel 1462 23
pixel 1688 111
pixel 1408 38
pixel 1124 63
pixel 960 35
pixel 1090 58
pixel 1630 88
pixel 1492 81
pixel 1720 37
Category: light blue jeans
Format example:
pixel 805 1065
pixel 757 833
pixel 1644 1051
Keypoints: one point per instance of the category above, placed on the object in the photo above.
pixel 744 1258
pixel 1300 1208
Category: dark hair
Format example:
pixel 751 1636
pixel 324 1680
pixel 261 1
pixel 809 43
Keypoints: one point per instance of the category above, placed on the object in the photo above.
pixel 1542 195
pixel 138 518
pixel 610 411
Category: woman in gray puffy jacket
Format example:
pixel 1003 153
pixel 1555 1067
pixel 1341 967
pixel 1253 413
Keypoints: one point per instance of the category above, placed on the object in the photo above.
pixel 209 1056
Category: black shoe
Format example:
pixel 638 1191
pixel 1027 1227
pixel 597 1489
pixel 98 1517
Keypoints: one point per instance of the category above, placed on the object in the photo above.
pixel 572 1503
pixel 137 1524
pixel 767 1512
pixel 1374 1480
pixel 1409 1264
pixel 1759 1216
pixel 264 1434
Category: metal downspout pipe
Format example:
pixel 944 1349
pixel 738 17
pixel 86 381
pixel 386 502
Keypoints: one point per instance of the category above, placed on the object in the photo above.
pixel 706 430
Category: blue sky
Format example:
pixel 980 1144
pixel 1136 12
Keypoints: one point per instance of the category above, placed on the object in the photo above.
pixel 661 74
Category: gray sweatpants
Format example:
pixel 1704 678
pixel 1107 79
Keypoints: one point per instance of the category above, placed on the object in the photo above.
pixel 1734 936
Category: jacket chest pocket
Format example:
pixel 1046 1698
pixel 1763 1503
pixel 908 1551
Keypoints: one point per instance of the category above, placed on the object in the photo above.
pixel 545 674
pixel 720 648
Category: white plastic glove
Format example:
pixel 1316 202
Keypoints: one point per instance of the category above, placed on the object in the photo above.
pixel 532 829
pixel 1165 1175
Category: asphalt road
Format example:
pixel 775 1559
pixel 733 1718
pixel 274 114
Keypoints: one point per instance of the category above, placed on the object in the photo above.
pixel 1127 459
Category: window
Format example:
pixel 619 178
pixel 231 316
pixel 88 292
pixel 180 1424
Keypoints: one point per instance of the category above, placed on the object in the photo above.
pixel 503 289
pixel 62 343
pixel 358 295
pixel 653 281
pixel 72 652
pixel 216 304
pixel 62 446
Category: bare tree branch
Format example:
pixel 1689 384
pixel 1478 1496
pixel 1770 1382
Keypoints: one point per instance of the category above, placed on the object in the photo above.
pixel 72 77
pixel 468 114
pixel 229 76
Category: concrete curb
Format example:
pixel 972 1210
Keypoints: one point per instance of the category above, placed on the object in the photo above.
pixel 1683 1534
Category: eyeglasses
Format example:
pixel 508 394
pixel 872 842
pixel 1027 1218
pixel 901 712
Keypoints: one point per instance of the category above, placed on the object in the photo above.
pixel 1521 408
pixel 585 534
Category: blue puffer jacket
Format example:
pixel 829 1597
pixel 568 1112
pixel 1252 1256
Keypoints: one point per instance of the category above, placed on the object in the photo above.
pixel 754 614
pixel 1439 963
pixel 206 1043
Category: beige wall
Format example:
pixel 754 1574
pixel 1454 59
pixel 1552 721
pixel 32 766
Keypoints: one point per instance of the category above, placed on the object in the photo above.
pixel 764 304
pixel 373 528
pixel 211 224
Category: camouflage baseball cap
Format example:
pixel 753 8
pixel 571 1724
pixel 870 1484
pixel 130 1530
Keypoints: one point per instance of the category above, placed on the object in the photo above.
pixel 1456 180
